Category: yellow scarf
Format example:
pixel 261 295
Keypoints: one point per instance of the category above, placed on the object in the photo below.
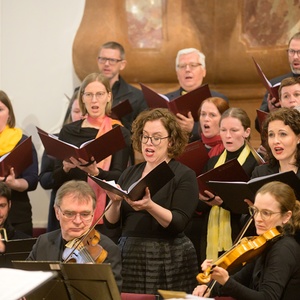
pixel 219 228
pixel 9 138
pixel 106 124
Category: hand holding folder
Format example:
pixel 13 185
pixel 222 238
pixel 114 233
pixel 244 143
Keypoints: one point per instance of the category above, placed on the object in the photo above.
pixel 154 180
pixel 19 158
pixel 190 101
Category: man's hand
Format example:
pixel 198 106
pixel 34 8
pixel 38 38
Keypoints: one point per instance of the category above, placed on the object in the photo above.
pixel 273 103
pixel 186 123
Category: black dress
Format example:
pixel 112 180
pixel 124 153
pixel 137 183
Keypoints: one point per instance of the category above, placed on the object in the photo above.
pixel 154 257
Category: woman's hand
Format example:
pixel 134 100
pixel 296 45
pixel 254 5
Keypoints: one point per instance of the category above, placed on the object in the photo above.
pixel 220 275
pixel 210 198
pixel 143 204
pixel 86 166
pixel 201 291
pixel 206 264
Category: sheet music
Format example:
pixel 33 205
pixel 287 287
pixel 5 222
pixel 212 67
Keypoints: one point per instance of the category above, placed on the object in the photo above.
pixel 17 283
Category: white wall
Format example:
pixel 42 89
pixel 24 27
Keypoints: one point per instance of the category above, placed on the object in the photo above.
pixel 36 69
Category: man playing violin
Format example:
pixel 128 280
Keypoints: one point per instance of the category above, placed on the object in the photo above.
pixel 275 273
pixel 74 208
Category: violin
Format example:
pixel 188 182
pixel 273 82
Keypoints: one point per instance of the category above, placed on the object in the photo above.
pixel 86 249
pixel 242 252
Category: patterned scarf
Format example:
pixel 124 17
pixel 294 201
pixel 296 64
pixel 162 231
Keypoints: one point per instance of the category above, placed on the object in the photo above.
pixel 219 228
pixel 105 124
pixel 9 138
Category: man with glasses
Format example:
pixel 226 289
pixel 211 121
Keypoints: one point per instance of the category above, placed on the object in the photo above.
pixel 293 52
pixel 111 60
pixel 74 208
pixel 190 70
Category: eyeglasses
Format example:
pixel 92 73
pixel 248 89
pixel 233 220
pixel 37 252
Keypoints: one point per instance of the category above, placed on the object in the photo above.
pixel 71 215
pixel 264 213
pixel 191 66
pixel 155 140
pixel 90 96
pixel 111 61
pixel 291 52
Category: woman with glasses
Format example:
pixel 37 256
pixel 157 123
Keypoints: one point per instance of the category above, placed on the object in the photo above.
pixel 155 252
pixel 95 98
pixel 274 274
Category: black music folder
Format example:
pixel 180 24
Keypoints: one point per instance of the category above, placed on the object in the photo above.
pixel 234 193
pixel 154 180
pixel 229 171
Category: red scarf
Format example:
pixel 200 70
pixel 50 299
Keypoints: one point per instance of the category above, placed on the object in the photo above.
pixel 215 143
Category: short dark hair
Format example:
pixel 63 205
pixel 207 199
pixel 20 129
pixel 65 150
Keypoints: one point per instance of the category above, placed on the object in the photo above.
pixel 114 45
pixel 288 82
pixel 5 191
pixel 296 36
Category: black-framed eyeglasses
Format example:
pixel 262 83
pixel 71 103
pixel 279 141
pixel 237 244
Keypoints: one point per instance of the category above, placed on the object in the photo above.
pixel 71 215
pixel 291 52
pixel 98 95
pixel 191 66
pixel 265 214
pixel 155 140
pixel 111 61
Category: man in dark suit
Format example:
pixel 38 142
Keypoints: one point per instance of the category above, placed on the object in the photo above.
pixel 74 208
pixel 111 60
pixel 190 70
pixel 269 103
pixel 5 204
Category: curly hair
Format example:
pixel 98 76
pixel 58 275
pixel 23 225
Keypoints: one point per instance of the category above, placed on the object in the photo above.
pixel 291 118
pixel 287 201
pixel 178 138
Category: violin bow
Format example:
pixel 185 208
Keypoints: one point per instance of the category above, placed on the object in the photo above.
pixel 212 283
pixel 257 157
